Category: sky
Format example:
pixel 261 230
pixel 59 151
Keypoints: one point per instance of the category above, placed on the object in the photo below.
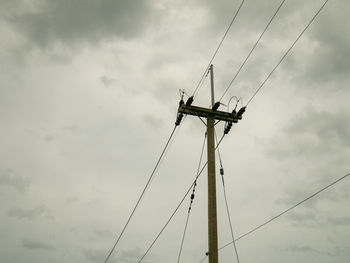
pixel 89 92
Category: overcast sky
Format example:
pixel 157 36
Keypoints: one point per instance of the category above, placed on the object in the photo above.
pixel 89 93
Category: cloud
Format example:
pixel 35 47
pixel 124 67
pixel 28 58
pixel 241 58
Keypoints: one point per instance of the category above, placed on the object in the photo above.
pixel 340 221
pixel 103 233
pixel 308 249
pixel 7 177
pixel 107 81
pixel 314 133
pixel 94 255
pixel 125 256
pixel 72 21
pixel 49 138
pixel 152 120
pixel 309 215
pixel 327 62
pixel 35 245
pixel 31 214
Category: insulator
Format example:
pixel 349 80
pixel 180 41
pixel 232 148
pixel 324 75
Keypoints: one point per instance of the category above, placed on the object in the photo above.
pixel 227 127
pixel 216 106
pixel 221 171
pixel 240 112
pixel 178 119
pixel 181 102
pixel 192 196
pixel 189 101
pixel 234 115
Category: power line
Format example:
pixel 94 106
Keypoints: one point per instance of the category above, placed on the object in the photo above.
pixel 171 216
pixel 253 48
pixel 226 203
pixel 287 210
pixel 200 83
pixel 142 194
pixel 287 52
pixel 229 218
pixel 192 197
pixel 178 206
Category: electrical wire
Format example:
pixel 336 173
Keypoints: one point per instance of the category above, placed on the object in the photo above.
pixel 253 48
pixel 287 52
pixel 226 203
pixel 292 207
pixel 285 211
pixel 229 218
pixel 172 215
pixel 142 194
pixel 178 206
pixel 200 83
pixel 192 197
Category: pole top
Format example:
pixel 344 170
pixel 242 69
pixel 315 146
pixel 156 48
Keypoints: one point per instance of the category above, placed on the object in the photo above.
pixel 212 84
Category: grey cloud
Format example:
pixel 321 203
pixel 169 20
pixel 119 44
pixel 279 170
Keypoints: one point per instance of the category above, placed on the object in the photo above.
pixel 314 133
pixel 252 17
pixel 19 183
pixel 72 200
pixel 125 256
pixel 308 249
pixel 72 21
pixel 340 221
pixel 49 138
pixel 129 256
pixel 103 233
pixel 30 214
pixel 94 255
pixel 107 81
pixel 330 62
pixel 35 245
pixel 303 216
pixel 152 120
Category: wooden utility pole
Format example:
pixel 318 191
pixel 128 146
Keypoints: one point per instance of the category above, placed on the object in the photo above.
pixel 212 214
pixel 211 115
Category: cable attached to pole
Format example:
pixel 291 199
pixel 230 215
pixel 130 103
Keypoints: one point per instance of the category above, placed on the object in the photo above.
pixel 178 206
pixel 191 202
pixel 226 203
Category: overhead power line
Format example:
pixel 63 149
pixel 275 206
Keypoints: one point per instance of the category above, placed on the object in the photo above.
pixel 142 194
pixel 286 211
pixel 200 83
pixel 253 48
pixel 191 202
pixel 177 207
pixel 287 52
pixel 226 204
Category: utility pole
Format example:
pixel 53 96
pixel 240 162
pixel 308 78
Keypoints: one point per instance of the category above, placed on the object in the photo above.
pixel 212 211
pixel 211 115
